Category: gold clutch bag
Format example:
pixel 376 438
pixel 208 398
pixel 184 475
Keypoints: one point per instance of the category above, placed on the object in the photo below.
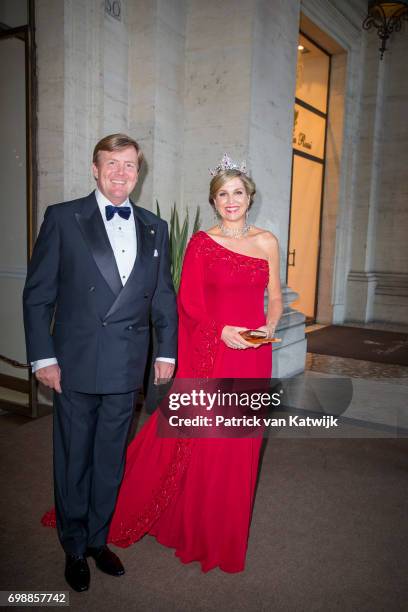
pixel 256 336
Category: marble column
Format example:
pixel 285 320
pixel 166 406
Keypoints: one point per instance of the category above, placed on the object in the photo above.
pixel 390 256
pixel 361 280
pixel 273 81
pixel 378 279
pixel 82 58
pixel 218 60
pixel 156 100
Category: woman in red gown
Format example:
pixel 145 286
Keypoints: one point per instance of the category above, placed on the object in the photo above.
pixel 196 495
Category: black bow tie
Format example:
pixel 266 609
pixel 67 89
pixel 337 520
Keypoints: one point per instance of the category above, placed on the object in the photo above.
pixel 123 211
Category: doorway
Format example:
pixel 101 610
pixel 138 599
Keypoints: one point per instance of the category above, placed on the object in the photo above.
pixel 308 169
pixel 18 390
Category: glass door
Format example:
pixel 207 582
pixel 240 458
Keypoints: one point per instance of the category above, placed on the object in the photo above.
pixel 309 140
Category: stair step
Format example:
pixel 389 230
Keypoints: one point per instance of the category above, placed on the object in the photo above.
pixel 14 397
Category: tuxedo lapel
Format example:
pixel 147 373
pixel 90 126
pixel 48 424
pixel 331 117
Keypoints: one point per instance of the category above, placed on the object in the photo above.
pixel 146 238
pixel 94 233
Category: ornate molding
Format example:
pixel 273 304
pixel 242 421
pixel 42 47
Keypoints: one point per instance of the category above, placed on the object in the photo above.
pixel 392 283
pixel 386 283
pixel 362 277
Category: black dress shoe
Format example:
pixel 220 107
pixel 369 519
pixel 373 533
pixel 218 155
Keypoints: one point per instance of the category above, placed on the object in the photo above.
pixel 106 560
pixel 77 572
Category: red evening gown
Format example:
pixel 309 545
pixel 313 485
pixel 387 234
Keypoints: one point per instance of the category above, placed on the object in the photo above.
pixel 196 495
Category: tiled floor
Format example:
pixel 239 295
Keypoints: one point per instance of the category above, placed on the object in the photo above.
pixel 356 368
pixel 402 329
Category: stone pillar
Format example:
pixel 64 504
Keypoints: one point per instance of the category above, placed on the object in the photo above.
pixel 273 82
pixel 390 256
pixel 156 104
pixel 50 69
pixel 378 280
pixel 361 282
pixel 82 56
pixel 289 356
pixel 218 56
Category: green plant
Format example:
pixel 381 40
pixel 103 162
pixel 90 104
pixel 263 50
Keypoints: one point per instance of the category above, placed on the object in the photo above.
pixel 178 239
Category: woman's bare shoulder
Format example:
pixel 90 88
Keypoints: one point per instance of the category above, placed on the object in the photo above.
pixel 265 236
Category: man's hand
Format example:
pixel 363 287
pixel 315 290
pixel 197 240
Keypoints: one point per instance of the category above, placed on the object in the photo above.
pixel 163 371
pixel 50 376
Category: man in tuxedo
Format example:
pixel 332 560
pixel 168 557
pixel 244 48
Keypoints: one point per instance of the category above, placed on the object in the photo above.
pixel 98 276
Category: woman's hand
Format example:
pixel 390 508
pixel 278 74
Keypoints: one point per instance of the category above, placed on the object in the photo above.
pixel 231 337
pixel 269 329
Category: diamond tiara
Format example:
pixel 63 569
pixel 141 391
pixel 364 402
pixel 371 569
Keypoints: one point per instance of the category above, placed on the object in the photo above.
pixel 226 163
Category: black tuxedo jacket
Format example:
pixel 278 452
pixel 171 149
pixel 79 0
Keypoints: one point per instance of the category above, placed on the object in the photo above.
pixel 100 332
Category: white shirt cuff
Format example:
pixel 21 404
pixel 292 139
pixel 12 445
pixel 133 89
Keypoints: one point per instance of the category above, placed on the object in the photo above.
pixel 42 363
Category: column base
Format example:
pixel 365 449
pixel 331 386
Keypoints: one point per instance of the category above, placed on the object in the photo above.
pixel 290 355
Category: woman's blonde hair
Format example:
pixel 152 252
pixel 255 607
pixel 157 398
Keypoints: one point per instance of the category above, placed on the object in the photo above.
pixel 223 177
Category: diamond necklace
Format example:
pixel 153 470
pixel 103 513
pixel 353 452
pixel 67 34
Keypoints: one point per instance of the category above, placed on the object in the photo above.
pixel 234 233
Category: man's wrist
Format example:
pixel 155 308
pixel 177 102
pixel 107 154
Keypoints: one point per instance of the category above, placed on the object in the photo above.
pixel 43 363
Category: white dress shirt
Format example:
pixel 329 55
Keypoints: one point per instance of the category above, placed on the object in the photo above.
pixel 123 240
pixel 122 236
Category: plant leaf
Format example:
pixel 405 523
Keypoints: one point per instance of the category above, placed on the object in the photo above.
pixel 178 237
pixel 197 221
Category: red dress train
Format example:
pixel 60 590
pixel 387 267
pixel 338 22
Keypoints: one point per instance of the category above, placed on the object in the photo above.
pixel 196 495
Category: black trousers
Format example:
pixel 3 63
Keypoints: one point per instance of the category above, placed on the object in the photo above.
pixel 90 434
